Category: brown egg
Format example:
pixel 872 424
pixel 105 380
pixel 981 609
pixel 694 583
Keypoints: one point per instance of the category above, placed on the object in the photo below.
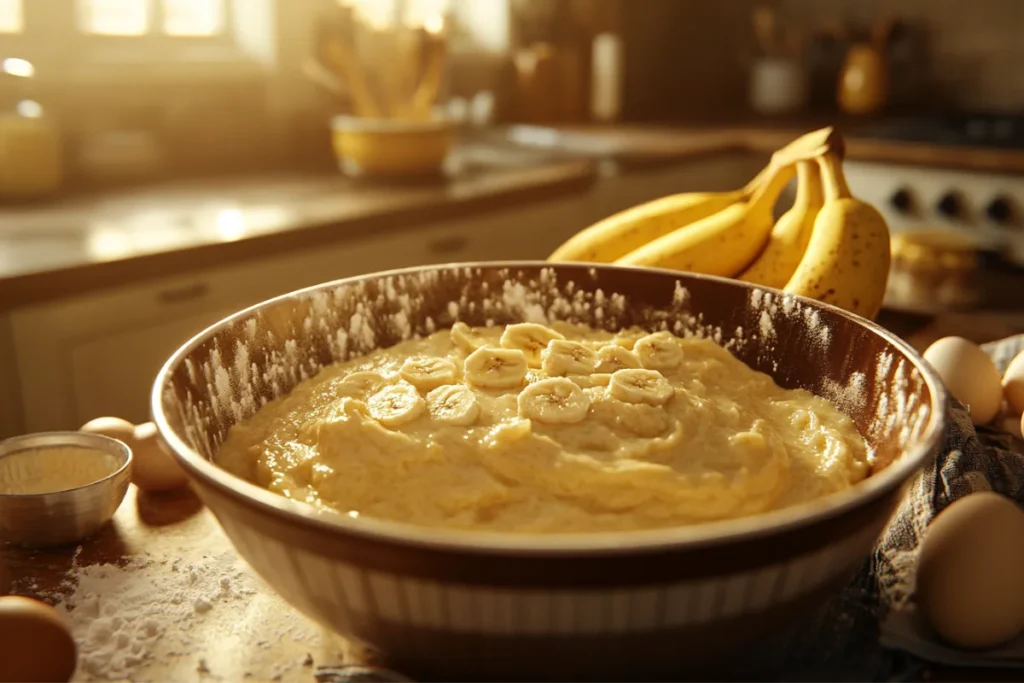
pixel 1013 384
pixel 154 469
pixel 969 571
pixel 35 642
pixel 969 374
pixel 114 427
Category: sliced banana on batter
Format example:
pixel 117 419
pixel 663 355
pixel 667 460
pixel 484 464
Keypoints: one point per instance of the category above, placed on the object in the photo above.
pixel 636 385
pixel 491 368
pixel 426 373
pixel 396 404
pixel 362 384
pixel 553 401
pixel 530 338
pixel 561 357
pixel 453 404
pixel 613 357
pixel 466 338
pixel 594 379
pixel 659 351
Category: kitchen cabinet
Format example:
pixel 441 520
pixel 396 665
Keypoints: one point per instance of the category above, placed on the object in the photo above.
pixel 97 354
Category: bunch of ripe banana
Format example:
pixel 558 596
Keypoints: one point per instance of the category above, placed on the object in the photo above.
pixel 829 246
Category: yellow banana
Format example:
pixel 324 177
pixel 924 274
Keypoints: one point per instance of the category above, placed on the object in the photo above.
pixel 622 232
pixel 846 262
pixel 722 244
pixel 791 233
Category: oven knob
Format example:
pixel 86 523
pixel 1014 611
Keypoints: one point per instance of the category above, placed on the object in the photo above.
pixel 901 200
pixel 949 205
pixel 999 210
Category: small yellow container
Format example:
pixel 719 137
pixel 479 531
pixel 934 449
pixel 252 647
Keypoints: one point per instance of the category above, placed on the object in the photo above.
pixel 391 147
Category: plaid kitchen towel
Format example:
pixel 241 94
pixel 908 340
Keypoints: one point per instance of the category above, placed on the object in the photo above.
pixel 842 642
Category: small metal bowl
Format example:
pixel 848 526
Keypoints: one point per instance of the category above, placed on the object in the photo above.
pixel 47 519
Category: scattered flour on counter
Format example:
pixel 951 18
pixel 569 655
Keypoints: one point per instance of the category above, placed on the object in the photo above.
pixel 130 619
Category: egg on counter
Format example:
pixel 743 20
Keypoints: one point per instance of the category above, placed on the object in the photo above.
pixel 153 469
pixel 113 427
pixel 1013 384
pixel 35 642
pixel 969 571
pixel 969 375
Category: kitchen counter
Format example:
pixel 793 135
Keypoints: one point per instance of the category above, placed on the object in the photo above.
pixel 78 244
pixel 93 242
pixel 173 576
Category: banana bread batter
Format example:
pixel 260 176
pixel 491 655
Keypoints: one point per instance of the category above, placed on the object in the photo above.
pixel 561 428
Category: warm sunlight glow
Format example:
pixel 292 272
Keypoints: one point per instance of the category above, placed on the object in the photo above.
pixel 434 24
pixel 378 14
pixel 113 17
pixel 18 67
pixel 230 224
pixel 426 13
pixel 11 19
pixel 30 109
pixel 193 17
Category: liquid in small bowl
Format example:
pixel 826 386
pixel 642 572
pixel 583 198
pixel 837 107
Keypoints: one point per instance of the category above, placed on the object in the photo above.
pixel 60 487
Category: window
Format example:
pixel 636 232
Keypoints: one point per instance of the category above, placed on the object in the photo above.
pixel 196 18
pixel 113 17
pixel 193 17
pixel 11 20
pixel 485 21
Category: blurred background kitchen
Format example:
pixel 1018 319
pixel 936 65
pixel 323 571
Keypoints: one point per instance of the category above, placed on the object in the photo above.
pixel 164 163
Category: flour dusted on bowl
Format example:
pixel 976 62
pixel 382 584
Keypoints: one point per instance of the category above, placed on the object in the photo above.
pixel 554 427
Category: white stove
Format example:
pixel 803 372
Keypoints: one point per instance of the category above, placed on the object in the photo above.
pixel 987 208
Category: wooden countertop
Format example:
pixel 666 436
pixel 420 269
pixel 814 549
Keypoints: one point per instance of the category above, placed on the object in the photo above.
pixel 77 244
pixel 248 633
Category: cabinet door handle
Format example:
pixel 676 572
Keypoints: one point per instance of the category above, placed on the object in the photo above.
pixel 448 244
pixel 181 294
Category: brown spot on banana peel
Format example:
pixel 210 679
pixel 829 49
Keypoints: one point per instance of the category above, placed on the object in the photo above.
pixel 828 261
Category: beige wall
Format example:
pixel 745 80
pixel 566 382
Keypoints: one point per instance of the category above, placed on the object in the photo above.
pixel 688 58
pixel 976 46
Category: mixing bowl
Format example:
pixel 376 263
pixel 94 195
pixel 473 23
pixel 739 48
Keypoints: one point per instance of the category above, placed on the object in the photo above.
pixel 478 605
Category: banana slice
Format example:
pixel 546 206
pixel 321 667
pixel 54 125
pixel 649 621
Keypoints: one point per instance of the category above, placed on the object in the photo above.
pixel 530 338
pixel 396 405
pixel 426 373
pixel 635 385
pixel 362 384
pixel 595 379
pixel 553 401
pixel 453 404
pixel 490 368
pixel 659 351
pixel 561 357
pixel 613 357
pixel 463 337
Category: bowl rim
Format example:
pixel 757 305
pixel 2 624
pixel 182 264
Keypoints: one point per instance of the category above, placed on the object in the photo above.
pixel 55 439
pixel 566 543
